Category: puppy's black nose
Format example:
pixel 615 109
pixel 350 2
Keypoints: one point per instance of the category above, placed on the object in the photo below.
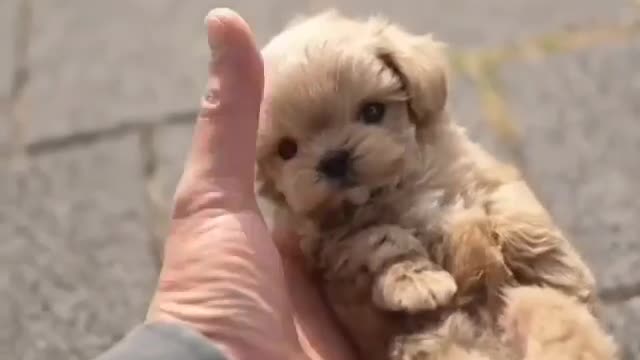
pixel 335 164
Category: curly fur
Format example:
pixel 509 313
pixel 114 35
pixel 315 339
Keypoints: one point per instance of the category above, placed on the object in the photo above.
pixel 429 227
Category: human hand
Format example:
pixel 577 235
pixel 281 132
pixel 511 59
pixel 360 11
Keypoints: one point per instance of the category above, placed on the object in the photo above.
pixel 222 273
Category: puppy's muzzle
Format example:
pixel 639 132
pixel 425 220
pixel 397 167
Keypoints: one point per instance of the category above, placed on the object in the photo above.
pixel 336 166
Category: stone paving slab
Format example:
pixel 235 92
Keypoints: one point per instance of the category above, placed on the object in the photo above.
pixel 579 114
pixel 474 23
pixel 75 267
pixel 136 59
pixel 623 320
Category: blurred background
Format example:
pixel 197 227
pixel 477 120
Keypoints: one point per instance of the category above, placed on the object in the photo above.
pixel 97 99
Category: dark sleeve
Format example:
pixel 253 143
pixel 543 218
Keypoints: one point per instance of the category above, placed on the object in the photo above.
pixel 163 342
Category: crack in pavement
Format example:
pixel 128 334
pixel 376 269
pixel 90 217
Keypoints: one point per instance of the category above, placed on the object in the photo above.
pixel 619 293
pixel 129 126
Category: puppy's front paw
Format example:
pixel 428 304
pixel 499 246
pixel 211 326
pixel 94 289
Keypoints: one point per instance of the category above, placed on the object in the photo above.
pixel 413 286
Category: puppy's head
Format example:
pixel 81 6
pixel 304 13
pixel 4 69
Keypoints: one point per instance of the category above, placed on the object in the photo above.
pixel 348 108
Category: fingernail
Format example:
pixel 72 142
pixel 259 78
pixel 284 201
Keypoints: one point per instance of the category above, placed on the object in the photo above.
pixel 214 46
pixel 220 12
pixel 215 18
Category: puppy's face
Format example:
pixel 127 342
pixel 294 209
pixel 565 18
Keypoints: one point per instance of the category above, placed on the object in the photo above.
pixel 347 107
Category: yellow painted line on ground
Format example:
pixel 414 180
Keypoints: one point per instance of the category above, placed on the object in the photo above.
pixel 482 67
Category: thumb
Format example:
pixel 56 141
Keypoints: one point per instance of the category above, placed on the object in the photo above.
pixel 224 140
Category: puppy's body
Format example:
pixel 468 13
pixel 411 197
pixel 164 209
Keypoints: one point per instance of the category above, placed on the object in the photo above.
pixel 399 212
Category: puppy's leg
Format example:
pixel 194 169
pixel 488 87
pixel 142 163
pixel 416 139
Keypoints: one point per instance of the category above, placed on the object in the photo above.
pixel 403 276
pixel 473 256
pixel 533 247
pixel 545 324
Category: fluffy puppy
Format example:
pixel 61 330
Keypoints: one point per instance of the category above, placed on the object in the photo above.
pixel 398 211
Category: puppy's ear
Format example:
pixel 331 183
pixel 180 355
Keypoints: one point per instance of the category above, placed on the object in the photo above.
pixel 420 63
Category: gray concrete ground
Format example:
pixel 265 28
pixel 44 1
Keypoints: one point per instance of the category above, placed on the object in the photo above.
pixel 97 99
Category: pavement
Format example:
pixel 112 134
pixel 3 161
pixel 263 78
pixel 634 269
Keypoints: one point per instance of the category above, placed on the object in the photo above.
pixel 97 99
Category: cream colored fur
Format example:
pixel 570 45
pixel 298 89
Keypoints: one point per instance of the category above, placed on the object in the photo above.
pixel 414 251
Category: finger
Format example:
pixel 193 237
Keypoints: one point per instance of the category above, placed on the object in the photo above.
pixel 288 243
pixel 224 140
pixel 317 328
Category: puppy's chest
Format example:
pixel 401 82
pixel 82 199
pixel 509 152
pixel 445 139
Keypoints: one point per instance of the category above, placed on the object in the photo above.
pixel 343 252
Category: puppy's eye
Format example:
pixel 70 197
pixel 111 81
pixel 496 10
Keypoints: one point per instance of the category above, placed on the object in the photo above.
pixel 372 113
pixel 287 148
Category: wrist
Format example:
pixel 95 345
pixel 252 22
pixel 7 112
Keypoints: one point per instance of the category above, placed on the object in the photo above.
pixel 233 343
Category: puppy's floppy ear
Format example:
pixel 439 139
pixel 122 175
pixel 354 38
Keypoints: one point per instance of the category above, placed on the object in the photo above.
pixel 421 64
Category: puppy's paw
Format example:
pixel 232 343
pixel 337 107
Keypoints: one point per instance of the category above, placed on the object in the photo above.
pixel 413 286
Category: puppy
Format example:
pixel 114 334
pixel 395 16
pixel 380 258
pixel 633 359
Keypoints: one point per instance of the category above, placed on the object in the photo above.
pixel 405 220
